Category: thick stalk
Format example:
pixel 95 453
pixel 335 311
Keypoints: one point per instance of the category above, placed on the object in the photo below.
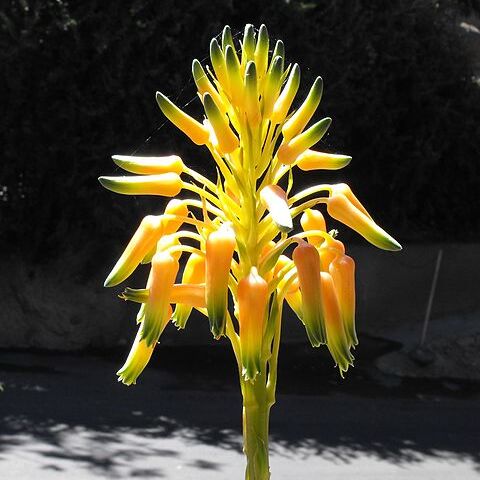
pixel 256 413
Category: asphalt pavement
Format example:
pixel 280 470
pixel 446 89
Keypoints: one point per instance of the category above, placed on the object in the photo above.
pixel 63 416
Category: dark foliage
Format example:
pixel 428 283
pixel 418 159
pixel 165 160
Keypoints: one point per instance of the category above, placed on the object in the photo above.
pixel 79 79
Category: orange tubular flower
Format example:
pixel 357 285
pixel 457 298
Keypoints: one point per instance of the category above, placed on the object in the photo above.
pixel 157 308
pixel 313 220
pixel 337 341
pixel 342 270
pixel 219 252
pixel 307 261
pixel 252 307
pixel 194 273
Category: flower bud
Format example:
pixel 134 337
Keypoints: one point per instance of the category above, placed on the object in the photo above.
pixel 219 250
pixel 164 184
pixel 343 210
pixel 189 126
pixel 296 123
pixel 261 51
pixel 144 239
pixel 150 165
pixel 272 86
pixel 288 152
pixel 252 105
pixel 307 261
pixel 248 44
pixel 312 160
pixel 204 85
pixel 227 140
pixel 252 307
pixel 284 101
pixel 218 64
pixel 235 81
pixel 274 199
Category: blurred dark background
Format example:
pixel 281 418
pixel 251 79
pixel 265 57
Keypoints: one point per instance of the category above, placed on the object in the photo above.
pixel 402 83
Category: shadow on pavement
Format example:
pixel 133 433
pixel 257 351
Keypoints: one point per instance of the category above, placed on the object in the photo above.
pixel 69 407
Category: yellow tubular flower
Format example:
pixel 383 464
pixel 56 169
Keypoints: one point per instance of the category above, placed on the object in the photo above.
pixel 204 85
pixel 337 341
pixel 284 101
pixel 312 160
pixel 150 165
pixel 313 220
pixel 189 126
pixel 252 105
pixel 274 199
pixel 164 184
pixel 343 210
pixel 157 308
pixel 194 273
pixel 252 306
pixel 219 250
pixel 235 82
pixel 261 51
pixel 227 140
pixel 307 261
pixel 272 86
pixel 144 239
pixel 297 122
pixel 218 63
pixel 248 45
pixel 342 270
pixel 288 152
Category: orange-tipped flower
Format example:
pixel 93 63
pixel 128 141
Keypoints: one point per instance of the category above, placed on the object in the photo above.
pixel 313 220
pixel 252 308
pixel 194 273
pixel 342 209
pixel 342 270
pixel 157 309
pixel 164 184
pixel 337 341
pixel 274 199
pixel 189 126
pixel 220 246
pixel 144 239
pixel 307 261
pixel 313 160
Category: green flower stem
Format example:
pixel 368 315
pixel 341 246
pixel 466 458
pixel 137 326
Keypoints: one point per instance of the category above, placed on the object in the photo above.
pixel 256 414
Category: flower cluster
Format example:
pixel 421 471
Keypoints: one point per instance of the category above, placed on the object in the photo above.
pixel 241 259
